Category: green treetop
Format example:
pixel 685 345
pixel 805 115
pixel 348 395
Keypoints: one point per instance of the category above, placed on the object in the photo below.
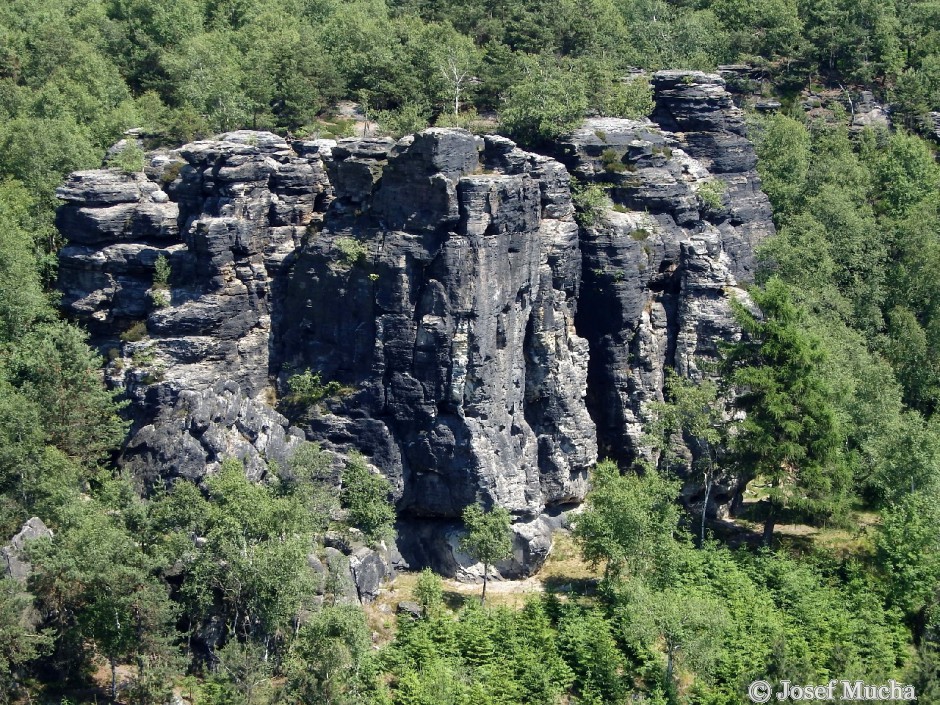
pixel 790 436
pixel 488 538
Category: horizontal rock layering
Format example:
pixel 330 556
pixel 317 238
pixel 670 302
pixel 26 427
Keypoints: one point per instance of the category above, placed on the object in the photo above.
pixel 438 280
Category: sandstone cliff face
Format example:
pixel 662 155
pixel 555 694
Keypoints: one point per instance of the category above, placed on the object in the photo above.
pixel 477 332
pixel 662 264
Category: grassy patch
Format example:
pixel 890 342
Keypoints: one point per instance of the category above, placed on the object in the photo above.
pixel 612 162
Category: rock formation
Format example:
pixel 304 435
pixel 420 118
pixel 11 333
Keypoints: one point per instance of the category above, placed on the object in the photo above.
pixel 436 281
pixel 13 559
pixel 661 265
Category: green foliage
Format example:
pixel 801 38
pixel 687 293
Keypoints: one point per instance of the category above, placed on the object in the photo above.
pixel 252 568
pixel 307 388
pixel 852 383
pixel 161 272
pixel 429 591
pixel 22 302
pixel 790 436
pixel 591 203
pixel 586 640
pixel 613 162
pixel 488 536
pixel 242 675
pixel 351 251
pixel 94 582
pixel 330 661
pixel 629 523
pixel 53 363
pixel 365 496
pixel 693 418
pixel 130 159
pixel 710 194
pixel 159 299
pixel 136 333
pixel 469 120
pixel 688 620
pixel 20 642
pixel 403 121
pixel 783 149
pixel 908 551
pixel 547 103
pixel 630 98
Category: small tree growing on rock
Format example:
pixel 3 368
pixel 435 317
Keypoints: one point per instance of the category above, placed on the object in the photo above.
pixel 365 496
pixel 488 538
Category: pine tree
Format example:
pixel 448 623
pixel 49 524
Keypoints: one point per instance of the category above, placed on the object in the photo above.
pixel 791 436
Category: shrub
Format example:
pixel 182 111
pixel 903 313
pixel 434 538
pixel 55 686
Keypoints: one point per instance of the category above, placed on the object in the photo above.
pixel 131 158
pixel 710 193
pixel 136 333
pixel 159 299
pixel 630 98
pixel 365 496
pixel 307 388
pixel 161 273
pixel 351 250
pixel 468 120
pixel 429 591
pixel 590 200
pixel 170 173
pixel 336 129
pixel 664 150
pixel 545 105
pixel 406 120
pixel 612 161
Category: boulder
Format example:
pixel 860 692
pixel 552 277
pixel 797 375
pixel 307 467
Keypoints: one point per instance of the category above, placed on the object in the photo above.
pixel 13 559
pixel 369 570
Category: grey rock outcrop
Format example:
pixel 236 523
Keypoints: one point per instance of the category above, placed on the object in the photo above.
pixel 481 342
pixel 458 266
pixel 434 277
pixel 369 569
pixel 676 243
pixel 13 561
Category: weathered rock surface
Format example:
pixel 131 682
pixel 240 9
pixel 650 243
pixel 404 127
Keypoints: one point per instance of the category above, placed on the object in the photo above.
pixel 662 264
pixel 369 569
pixel 457 263
pixel 438 280
pixel 13 561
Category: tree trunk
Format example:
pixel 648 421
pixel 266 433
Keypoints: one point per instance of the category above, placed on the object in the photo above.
pixel 769 522
pixel 486 570
pixel 708 489
pixel 113 679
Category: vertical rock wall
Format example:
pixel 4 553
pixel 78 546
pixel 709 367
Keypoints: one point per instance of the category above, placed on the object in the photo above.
pixel 478 334
pixel 675 245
